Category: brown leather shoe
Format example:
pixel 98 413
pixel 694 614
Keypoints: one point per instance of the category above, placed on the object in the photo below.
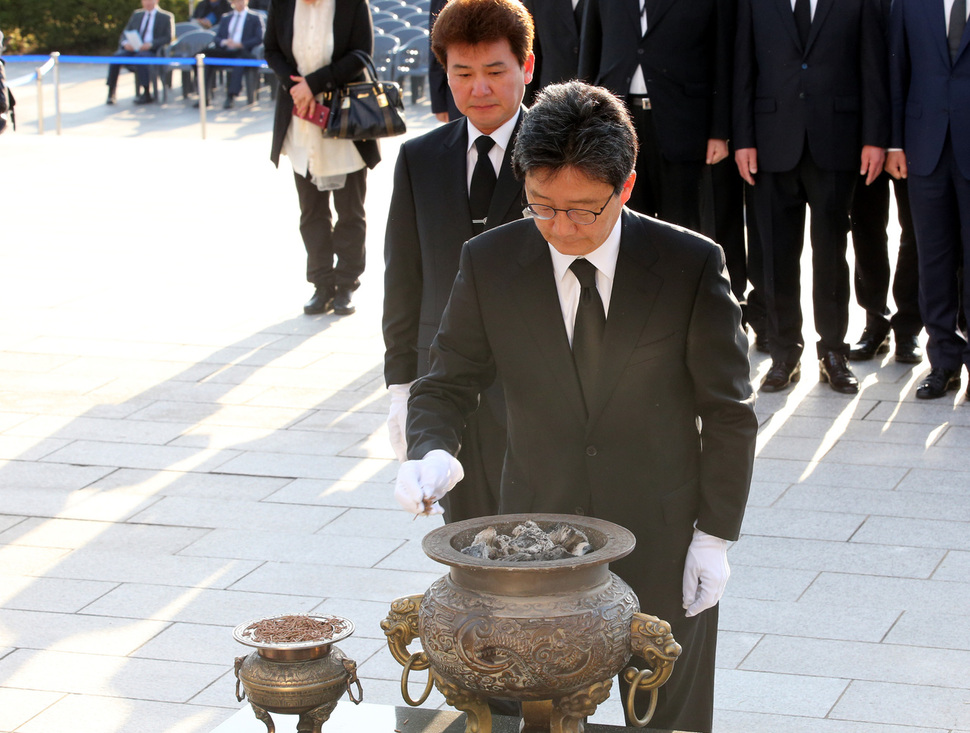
pixel 908 350
pixel 781 376
pixel 834 369
pixel 870 344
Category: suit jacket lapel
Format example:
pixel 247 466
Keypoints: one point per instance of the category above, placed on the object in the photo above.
pixel 635 290
pixel 788 20
pixel 821 13
pixel 533 285
pixel 508 190
pixel 656 9
pixel 453 167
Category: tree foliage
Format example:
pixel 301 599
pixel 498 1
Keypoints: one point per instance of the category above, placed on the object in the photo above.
pixel 71 26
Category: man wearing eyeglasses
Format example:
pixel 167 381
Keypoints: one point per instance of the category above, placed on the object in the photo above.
pixel 625 369
pixel 449 185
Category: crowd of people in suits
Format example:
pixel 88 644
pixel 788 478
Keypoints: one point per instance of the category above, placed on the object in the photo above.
pixel 747 111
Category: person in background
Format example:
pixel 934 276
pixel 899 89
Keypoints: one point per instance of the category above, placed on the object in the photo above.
pixel 486 48
pixel 310 46
pixel 238 33
pixel 930 86
pixel 208 12
pixel 154 27
pixel 442 101
pixel 558 24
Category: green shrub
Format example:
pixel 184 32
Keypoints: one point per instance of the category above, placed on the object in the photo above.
pixel 78 26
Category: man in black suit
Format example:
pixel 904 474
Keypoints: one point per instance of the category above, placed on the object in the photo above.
pixel 930 74
pixel 558 23
pixel 811 104
pixel 442 100
pixel 619 346
pixel 671 61
pixel 446 190
pixel 154 27
pixel 237 34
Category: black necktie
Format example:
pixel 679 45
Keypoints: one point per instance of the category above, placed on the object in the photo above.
pixel 578 13
pixel 803 19
pixel 589 326
pixel 958 21
pixel 483 184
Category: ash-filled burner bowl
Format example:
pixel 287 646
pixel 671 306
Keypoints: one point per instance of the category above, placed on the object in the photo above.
pixel 548 630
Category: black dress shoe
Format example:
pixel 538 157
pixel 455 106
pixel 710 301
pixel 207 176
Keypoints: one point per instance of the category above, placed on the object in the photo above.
pixel 342 304
pixel 908 350
pixel 229 103
pixel 870 344
pixel 937 383
pixel 144 99
pixel 781 376
pixel 321 302
pixel 832 368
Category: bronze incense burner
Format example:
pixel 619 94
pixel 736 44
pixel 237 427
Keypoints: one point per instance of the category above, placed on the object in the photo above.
pixel 304 678
pixel 551 634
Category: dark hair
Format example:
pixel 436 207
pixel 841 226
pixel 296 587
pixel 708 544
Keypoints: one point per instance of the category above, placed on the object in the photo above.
pixel 580 126
pixel 470 22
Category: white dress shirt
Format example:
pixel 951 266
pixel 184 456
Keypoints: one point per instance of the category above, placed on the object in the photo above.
pixel 236 27
pixel 812 4
pixel 638 85
pixel 603 258
pixel 502 137
pixel 149 25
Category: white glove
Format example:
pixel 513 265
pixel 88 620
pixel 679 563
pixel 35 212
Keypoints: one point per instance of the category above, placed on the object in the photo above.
pixel 421 483
pixel 706 572
pixel 397 419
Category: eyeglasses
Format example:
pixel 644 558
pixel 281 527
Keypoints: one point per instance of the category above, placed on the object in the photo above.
pixel 579 216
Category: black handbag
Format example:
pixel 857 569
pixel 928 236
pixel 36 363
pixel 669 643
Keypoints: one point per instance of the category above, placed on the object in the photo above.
pixel 365 110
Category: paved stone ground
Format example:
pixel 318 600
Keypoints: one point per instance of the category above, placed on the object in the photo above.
pixel 181 450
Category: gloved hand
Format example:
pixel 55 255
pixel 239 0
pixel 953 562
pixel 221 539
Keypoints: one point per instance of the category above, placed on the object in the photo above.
pixel 397 419
pixel 421 483
pixel 706 572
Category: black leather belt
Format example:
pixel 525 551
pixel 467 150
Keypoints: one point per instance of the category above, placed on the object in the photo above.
pixel 638 101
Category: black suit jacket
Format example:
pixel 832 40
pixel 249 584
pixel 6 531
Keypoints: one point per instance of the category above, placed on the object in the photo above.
pixel 674 358
pixel 833 92
pixel 427 223
pixel 556 44
pixel 686 60
pixel 352 30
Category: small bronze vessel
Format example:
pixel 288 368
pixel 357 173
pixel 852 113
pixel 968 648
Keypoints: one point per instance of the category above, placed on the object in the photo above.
pixel 304 678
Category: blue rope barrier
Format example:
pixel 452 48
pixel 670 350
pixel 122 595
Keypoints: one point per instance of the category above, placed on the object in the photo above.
pixel 26 79
pixel 140 60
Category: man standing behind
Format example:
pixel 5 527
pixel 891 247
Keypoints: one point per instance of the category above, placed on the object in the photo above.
pixel 449 185
pixel 625 371
pixel 671 61
pixel 208 12
pixel 930 75
pixel 811 101
pixel 154 27
pixel 239 32
pixel 558 23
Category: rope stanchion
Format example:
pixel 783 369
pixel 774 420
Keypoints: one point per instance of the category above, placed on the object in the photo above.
pixel 203 90
pixel 57 92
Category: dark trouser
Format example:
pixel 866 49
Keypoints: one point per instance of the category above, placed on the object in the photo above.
pixel 780 200
pixel 235 72
pixel 870 217
pixel 141 71
pixel 726 211
pixel 686 701
pixel 325 240
pixel 941 218
pixel 482 456
pixel 665 189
